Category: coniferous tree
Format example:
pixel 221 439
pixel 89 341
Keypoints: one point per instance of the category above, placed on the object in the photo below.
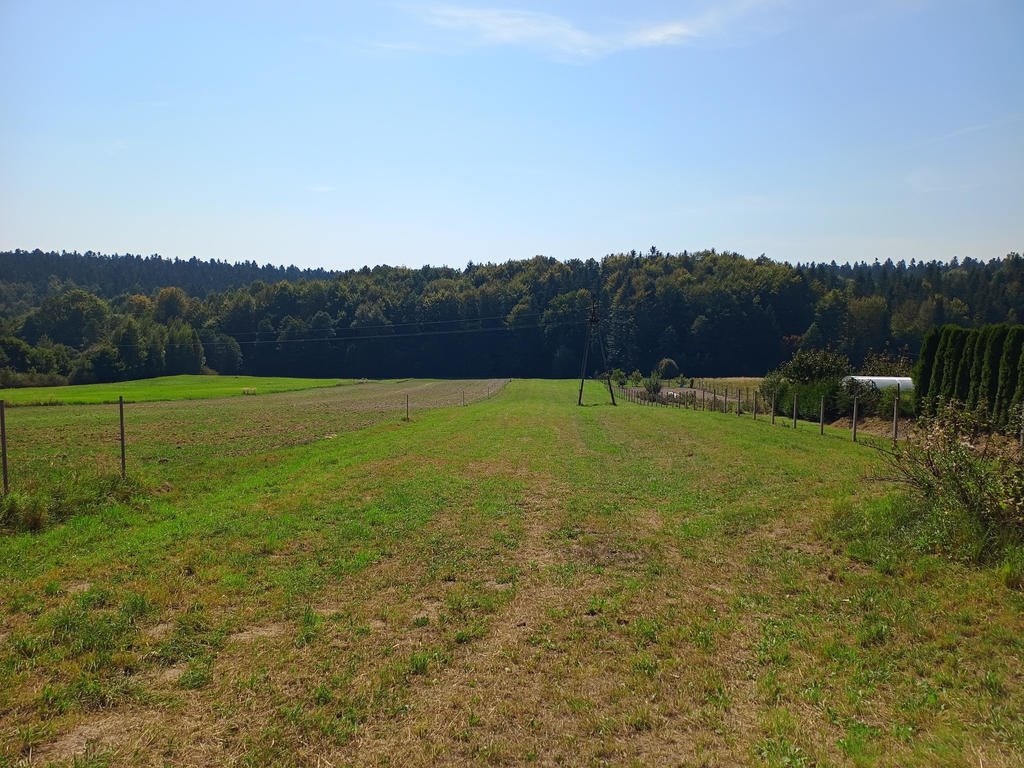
pixel 939 367
pixel 989 383
pixel 980 350
pixel 1007 378
pixel 963 374
pixel 925 367
pixel 951 365
pixel 1017 403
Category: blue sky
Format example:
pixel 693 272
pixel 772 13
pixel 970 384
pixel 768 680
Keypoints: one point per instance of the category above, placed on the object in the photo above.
pixel 341 134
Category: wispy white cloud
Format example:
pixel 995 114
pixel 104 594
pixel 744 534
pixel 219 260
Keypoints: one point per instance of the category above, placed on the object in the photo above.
pixel 322 189
pixel 560 36
pixel 507 27
pixel 967 130
pixel 670 33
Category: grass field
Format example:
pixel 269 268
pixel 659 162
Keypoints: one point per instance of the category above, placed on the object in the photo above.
pixel 306 579
pixel 733 383
pixel 162 388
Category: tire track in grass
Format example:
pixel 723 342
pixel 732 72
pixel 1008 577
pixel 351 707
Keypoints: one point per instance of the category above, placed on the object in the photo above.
pixel 487 669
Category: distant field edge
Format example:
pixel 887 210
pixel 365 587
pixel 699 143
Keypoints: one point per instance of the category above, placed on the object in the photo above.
pixel 183 387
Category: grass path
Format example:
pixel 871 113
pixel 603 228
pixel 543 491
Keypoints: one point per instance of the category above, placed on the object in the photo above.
pixel 516 582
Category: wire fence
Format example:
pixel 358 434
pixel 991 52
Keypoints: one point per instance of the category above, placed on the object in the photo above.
pixel 749 402
pixel 43 446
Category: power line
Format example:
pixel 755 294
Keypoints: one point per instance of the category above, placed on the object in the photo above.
pixel 504 317
pixel 508 329
pixel 419 334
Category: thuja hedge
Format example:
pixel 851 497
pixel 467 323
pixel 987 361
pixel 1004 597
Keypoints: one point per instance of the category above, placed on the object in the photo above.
pixel 980 367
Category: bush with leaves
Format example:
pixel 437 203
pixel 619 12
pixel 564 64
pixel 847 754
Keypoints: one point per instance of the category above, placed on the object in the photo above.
pixel 652 385
pixel 813 365
pixel 868 397
pixel 809 375
pixel 968 480
pixel 887 400
pixel 774 387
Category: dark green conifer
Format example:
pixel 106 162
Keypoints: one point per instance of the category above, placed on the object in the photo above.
pixel 1007 378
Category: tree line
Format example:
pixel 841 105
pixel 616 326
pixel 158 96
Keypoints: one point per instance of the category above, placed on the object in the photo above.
pixel 982 368
pixel 89 317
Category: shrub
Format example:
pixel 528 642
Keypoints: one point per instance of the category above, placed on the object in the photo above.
pixel 867 394
pixel 10 379
pixel 652 384
pixel 809 375
pixel 887 399
pixel 774 385
pixel 966 479
pixel 813 365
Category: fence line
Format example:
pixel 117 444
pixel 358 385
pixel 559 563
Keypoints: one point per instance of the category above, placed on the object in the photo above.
pixel 489 390
pixel 700 398
pixel 3 443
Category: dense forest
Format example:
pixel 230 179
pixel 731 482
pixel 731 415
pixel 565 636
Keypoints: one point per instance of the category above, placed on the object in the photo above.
pixel 89 317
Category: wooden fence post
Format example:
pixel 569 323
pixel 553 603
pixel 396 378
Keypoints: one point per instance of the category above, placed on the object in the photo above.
pixel 754 404
pixel 773 408
pixel 3 443
pixel 896 417
pixel 120 408
pixel 794 410
pixel 855 419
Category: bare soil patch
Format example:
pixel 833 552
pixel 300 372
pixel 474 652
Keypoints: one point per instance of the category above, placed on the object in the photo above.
pixel 107 731
pixel 261 632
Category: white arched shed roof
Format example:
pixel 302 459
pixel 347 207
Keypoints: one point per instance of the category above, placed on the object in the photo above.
pixel 906 384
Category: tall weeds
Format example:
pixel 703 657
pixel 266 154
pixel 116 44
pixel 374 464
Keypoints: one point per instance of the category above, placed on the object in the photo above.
pixel 967 479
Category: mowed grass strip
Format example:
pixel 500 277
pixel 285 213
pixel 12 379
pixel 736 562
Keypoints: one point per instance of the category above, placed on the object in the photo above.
pixel 184 387
pixel 520 581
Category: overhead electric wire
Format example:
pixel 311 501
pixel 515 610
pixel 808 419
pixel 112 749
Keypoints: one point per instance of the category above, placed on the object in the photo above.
pixel 418 334
pixel 411 335
pixel 504 317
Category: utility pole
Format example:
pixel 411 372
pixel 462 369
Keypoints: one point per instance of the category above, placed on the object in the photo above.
pixel 592 330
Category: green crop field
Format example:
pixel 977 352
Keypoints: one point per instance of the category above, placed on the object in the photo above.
pixel 306 578
pixel 162 388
